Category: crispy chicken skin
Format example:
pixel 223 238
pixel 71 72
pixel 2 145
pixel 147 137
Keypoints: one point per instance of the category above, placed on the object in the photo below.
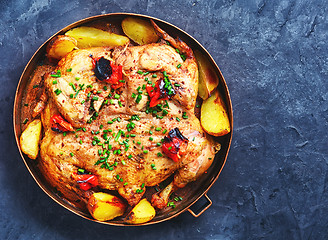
pixel 135 156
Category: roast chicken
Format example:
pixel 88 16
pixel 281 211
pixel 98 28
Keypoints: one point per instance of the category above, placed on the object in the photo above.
pixel 128 134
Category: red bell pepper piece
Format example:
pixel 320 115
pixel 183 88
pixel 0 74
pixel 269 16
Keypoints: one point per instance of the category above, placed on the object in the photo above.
pixel 156 94
pixel 150 90
pixel 174 144
pixel 107 71
pixel 86 181
pixel 58 123
pixel 171 150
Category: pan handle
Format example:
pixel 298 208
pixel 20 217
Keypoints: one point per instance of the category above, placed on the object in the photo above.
pixel 203 208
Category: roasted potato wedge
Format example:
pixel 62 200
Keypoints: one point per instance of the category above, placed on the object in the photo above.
pixel 103 206
pixel 140 31
pixel 30 138
pixel 141 213
pixel 214 118
pixel 59 46
pixel 208 80
pixel 93 37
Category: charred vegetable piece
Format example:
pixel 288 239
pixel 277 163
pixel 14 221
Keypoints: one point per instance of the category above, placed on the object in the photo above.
pixel 86 181
pixel 59 46
pixel 208 80
pixel 140 31
pixel 103 69
pixel 163 90
pixel 59 124
pixel 107 71
pixel 141 213
pixel 174 144
pixel 30 139
pixel 103 206
pixel 214 117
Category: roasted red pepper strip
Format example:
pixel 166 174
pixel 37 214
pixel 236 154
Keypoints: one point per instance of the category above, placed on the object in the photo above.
pixel 59 124
pixel 116 76
pixel 156 94
pixel 107 71
pixel 174 144
pixel 156 99
pixel 86 181
pixel 170 150
pixel 150 90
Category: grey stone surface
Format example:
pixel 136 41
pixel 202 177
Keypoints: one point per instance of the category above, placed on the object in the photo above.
pixel 274 57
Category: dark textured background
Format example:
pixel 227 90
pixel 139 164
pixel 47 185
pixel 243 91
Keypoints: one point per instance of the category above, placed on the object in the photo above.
pixel 274 57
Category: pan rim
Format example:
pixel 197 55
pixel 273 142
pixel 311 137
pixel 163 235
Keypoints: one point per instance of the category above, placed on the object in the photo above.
pixel 224 87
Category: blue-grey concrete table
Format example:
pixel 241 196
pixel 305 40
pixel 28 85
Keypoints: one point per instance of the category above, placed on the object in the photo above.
pixel 274 56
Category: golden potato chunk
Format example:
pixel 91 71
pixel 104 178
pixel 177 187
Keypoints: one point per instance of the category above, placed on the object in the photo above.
pixel 103 206
pixel 140 31
pixel 214 118
pixel 30 138
pixel 208 80
pixel 141 213
pixel 59 46
pixel 93 37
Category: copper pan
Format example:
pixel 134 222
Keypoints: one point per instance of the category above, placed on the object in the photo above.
pixel 193 191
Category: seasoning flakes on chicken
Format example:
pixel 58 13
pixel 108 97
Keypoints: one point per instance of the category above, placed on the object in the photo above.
pixel 123 119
